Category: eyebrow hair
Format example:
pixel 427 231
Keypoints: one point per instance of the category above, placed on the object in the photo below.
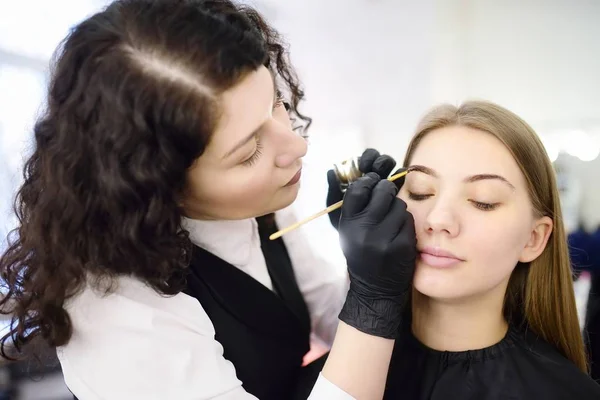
pixel 469 179
pixel 251 136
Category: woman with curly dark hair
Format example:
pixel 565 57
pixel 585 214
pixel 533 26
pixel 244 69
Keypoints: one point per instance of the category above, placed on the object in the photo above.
pixel 165 158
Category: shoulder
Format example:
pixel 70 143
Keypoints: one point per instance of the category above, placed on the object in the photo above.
pixel 556 372
pixel 134 340
pixel 130 302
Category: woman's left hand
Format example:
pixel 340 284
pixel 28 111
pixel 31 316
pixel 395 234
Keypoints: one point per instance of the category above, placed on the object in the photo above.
pixel 370 161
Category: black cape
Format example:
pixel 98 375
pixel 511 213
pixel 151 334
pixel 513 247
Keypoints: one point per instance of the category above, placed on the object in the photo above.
pixel 521 366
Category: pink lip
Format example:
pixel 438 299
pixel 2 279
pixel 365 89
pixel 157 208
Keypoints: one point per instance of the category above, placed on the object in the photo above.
pixel 295 179
pixel 439 258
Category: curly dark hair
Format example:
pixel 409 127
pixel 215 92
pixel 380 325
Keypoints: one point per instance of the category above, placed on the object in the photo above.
pixel 133 101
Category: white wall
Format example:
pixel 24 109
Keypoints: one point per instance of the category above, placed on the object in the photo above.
pixel 540 58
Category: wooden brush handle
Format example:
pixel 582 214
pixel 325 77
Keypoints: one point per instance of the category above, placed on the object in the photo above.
pixel 329 209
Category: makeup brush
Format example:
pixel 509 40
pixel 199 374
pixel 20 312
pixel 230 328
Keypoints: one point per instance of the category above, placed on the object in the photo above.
pixel 329 209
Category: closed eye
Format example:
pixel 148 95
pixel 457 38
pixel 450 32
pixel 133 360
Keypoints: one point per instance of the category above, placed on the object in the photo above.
pixel 477 204
pixel 484 206
pixel 418 196
pixel 255 156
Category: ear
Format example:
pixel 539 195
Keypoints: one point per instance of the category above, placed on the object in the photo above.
pixel 542 228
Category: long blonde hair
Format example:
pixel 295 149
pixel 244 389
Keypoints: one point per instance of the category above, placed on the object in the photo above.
pixel 540 294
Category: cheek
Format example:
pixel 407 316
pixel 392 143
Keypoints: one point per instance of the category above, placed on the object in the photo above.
pixel 494 253
pixel 493 247
pixel 236 193
pixel 258 185
pixel 503 237
pixel 490 245
pixel 243 186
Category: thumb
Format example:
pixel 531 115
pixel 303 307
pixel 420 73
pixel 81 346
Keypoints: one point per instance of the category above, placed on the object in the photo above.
pixel 358 195
pixel 334 193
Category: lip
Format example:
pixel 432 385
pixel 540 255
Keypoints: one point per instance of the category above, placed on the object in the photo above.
pixel 295 179
pixel 439 258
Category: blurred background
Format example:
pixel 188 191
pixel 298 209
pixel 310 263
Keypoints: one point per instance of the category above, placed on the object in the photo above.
pixel 370 68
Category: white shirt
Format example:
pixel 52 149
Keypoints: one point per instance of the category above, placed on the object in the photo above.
pixel 135 344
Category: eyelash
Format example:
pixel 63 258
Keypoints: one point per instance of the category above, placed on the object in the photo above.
pixel 485 206
pixel 478 204
pixel 256 155
pixel 418 197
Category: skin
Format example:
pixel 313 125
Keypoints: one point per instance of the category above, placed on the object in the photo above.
pixel 252 156
pixel 473 202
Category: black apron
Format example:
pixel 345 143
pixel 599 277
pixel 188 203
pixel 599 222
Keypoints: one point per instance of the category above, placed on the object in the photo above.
pixel 264 333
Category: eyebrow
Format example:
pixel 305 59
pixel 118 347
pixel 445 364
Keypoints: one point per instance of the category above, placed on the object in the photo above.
pixel 469 179
pixel 251 136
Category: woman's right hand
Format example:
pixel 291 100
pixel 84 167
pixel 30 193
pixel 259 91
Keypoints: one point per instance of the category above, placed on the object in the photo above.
pixel 378 239
pixel 370 161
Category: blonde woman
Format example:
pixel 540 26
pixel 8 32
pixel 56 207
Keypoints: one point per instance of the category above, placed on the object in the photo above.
pixel 493 310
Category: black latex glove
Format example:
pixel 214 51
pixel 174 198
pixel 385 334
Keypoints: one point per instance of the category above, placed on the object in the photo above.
pixel 378 239
pixel 370 161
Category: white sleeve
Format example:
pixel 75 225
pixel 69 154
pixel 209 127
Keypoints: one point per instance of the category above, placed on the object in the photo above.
pixel 326 390
pixel 323 286
pixel 134 344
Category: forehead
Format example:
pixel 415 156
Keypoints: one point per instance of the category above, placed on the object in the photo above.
pixel 243 108
pixel 460 151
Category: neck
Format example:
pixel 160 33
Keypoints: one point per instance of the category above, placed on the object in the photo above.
pixel 468 324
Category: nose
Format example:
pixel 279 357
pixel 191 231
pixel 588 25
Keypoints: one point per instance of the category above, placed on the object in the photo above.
pixel 292 148
pixel 442 218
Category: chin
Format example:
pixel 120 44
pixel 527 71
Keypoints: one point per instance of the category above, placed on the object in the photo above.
pixel 283 199
pixel 287 196
pixel 443 284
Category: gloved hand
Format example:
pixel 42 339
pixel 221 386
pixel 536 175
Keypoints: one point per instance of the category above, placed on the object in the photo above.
pixel 378 239
pixel 370 161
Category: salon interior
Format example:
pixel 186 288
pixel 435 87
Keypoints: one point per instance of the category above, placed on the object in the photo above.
pixel 370 69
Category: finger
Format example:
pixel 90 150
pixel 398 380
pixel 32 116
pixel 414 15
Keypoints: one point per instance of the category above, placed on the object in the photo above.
pixel 400 181
pixel 334 193
pixel 383 165
pixel 365 163
pixel 382 198
pixel 358 195
pixel 396 217
pixel 403 222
